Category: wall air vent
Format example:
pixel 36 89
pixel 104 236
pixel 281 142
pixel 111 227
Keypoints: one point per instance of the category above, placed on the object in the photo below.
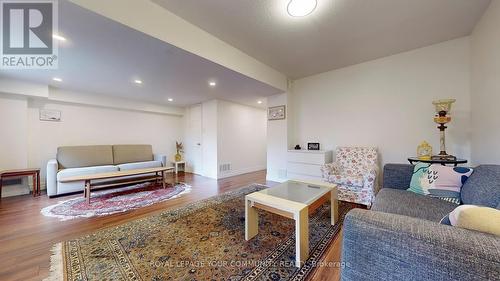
pixel 225 167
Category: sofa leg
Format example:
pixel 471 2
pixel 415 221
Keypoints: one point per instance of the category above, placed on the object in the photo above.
pixel 87 191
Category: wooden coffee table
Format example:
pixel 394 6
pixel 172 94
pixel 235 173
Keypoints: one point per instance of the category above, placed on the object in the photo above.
pixel 294 200
pixel 101 176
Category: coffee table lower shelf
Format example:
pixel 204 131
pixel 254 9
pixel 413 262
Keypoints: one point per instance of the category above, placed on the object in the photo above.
pixel 159 174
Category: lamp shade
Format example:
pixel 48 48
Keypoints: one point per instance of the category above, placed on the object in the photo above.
pixel 443 105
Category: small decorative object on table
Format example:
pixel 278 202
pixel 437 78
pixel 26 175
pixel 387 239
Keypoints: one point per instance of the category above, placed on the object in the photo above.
pixel 313 146
pixel 297 147
pixel 424 151
pixel 442 117
pixel 180 149
pixel 276 113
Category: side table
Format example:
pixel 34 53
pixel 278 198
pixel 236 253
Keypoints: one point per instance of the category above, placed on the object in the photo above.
pixel 443 162
pixel 34 173
pixel 178 164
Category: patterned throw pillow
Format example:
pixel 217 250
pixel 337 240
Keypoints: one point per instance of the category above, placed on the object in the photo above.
pixel 439 181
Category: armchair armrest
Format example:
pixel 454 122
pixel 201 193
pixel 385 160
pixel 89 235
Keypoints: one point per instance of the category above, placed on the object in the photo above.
pixel 383 246
pixel 52 168
pixel 330 169
pixel 162 158
pixel 370 176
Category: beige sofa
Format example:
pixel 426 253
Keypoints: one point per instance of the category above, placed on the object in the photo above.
pixel 85 160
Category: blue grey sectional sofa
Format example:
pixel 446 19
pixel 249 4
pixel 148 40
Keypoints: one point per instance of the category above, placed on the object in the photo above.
pixel 401 238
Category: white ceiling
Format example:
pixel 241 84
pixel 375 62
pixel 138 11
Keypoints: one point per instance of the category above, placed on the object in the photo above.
pixel 337 34
pixel 104 57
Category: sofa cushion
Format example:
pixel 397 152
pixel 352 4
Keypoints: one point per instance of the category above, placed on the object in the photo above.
pixel 84 156
pixel 139 165
pixel 406 203
pixel 71 172
pixel 130 153
pixel 397 176
pixel 483 187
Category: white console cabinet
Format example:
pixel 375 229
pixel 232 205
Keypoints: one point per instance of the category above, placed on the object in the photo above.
pixel 306 164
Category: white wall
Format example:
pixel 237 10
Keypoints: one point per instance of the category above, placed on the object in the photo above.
pixel 13 137
pixel 28 142
pixel 485 87
pixel 232 134
pixel 241 138
pixel 388 102
pixel 209 139
pixel 277 140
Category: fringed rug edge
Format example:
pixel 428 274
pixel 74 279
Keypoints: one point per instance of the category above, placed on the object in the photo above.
pixel 56 271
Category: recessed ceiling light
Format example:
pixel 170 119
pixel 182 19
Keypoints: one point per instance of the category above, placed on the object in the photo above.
pixel 259 102
pixel 137 81
pixel 57 79
pixel 301 8
pixel 212 84
pixel 58 37
pixel 170 99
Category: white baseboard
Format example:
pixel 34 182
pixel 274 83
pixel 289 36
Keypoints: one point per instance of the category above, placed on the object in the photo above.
pixel 241 172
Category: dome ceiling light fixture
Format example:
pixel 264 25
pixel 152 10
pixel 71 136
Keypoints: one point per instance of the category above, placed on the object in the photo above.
pixel 301 8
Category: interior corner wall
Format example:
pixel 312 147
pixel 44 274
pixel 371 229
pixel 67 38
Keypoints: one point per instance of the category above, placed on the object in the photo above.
pixel 232 134
pixel 485 87
pixel 387 103
pixel 209 139
pixel 241 137
pixel 278 135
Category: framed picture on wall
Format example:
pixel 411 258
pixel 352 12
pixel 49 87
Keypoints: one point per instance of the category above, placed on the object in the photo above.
pixel 276 113
pixel 50 115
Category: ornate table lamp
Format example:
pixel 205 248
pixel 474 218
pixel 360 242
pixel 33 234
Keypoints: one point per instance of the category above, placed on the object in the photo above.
pixel 442 117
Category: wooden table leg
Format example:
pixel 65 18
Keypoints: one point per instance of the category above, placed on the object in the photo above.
pixel 301 236
pixel 163 179
pixel 1 180
pixel 87 191
pixel 34 184
pixel 334 203
pixel 38 183
pixel 251 220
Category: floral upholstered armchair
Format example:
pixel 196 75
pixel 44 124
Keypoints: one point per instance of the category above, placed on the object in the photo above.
pixel 355 172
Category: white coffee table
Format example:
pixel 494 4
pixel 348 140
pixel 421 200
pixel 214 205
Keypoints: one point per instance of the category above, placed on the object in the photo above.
pixel 295 200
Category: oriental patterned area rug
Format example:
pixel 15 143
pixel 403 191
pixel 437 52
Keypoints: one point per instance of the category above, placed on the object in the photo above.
pixel 202 241
pixel 117 200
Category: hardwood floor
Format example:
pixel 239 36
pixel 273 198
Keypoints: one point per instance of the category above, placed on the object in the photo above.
pixel 26 236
